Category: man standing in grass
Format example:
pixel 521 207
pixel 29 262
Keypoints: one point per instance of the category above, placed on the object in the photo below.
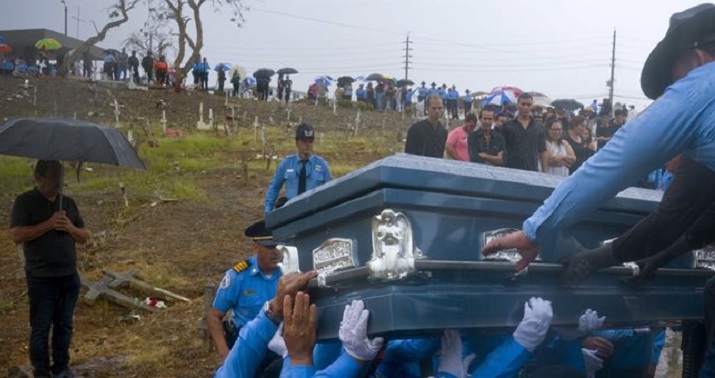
pixel 49 225
pixel 299 172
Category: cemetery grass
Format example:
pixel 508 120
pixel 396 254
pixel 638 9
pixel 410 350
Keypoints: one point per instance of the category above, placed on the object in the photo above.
pixel 179 224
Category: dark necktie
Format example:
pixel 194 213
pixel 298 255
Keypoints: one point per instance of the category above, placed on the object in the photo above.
pixel 302 176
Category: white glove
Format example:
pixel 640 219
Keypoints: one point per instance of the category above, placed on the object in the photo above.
pixel 450 360
pixel 587 323
pixel 532 329
pixel 590 321
pixel 353 333
pixel 277 344
pixel 592 361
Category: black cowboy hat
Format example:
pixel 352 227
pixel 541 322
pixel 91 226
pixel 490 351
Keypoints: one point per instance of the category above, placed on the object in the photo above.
pixel 688 29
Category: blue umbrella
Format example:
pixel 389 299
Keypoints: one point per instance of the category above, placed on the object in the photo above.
pixel 251 80
pixel 3 39
pixel 224 66
pixel 325 79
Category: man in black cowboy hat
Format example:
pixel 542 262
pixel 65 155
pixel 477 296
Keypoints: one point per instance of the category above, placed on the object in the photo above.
pixel 245 288
pixel 300 172
pixel 680 74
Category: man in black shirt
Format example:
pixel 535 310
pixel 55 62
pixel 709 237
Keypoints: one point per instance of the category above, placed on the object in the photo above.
pixel 486 145
pixel 49 234
pixel 525 139
pixel 428 137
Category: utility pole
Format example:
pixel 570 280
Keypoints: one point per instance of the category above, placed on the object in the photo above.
pixel 613 71
pixel 65 4
pixel 407 50
pixel 78 21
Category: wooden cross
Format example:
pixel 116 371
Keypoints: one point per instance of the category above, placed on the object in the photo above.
pixel 128 279
pixel 100 289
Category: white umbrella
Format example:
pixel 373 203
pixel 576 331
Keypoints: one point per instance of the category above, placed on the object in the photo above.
pixel 236 68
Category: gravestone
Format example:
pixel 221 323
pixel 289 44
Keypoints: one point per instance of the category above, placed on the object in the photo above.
pixel 200 124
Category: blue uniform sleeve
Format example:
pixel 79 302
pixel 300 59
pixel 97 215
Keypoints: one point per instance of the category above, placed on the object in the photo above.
pixel 228 291
pixel 344 367
pixel 249 350
pixel 504 361
pixel 658 344
pixel 666 128
pixel 274 188
pixel 326 353
pixel 290 371
pixel 328 174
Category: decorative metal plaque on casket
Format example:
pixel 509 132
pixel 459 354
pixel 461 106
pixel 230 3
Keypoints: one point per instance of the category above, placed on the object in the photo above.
pixel 705 257
pixel 334 254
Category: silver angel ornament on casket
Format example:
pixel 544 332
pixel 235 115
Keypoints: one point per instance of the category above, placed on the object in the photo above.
pixel 393 249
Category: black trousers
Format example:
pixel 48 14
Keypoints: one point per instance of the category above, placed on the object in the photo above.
pixel 690 195
pixel 52 304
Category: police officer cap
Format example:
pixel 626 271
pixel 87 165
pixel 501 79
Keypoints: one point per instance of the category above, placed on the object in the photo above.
pixel 423 82
pixel 688 29
pixel 305 131
pixel 260 234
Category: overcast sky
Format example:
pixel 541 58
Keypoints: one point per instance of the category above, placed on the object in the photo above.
pixel 558 47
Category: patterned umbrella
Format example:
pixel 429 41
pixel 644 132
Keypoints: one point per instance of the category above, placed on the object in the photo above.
pixel 499 98
pixel 48 44
pixel 5 48
pixel 515 92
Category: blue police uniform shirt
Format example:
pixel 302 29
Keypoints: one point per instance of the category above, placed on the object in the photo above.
pixel 453 95
pixel 432 92
pixel 245 292
pixel 361 94
pixel 680 121
pixel 196 67
pixel 288 172
pixel 442 93
pixel 250 349
pixel 468 98
pixel 422 92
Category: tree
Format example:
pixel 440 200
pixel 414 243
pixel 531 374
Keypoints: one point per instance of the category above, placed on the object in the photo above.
pixel 156 36
pixel 118 14
pixel 181 12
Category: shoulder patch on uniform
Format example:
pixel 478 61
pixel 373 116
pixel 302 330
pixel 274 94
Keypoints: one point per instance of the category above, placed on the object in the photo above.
pixel 225 282
pixel 241 266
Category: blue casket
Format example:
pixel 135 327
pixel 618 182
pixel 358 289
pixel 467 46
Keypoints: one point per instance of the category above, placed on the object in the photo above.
pixel 404 234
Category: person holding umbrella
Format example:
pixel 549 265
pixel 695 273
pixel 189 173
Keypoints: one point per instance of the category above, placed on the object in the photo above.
pixel 288 85
pixel 236 82
pixel 49 229
pixel 221 77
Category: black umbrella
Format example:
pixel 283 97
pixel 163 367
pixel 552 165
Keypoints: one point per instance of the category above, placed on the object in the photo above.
pixel 405 82
pixel 112 52
pixel 287 71
pixel 567 104
pixel 264 72
pixel 67 140
pixel 375 77
pixel 343 80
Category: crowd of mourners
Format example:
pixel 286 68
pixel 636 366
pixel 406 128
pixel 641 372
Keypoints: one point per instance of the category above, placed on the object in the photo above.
pixel 551 140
